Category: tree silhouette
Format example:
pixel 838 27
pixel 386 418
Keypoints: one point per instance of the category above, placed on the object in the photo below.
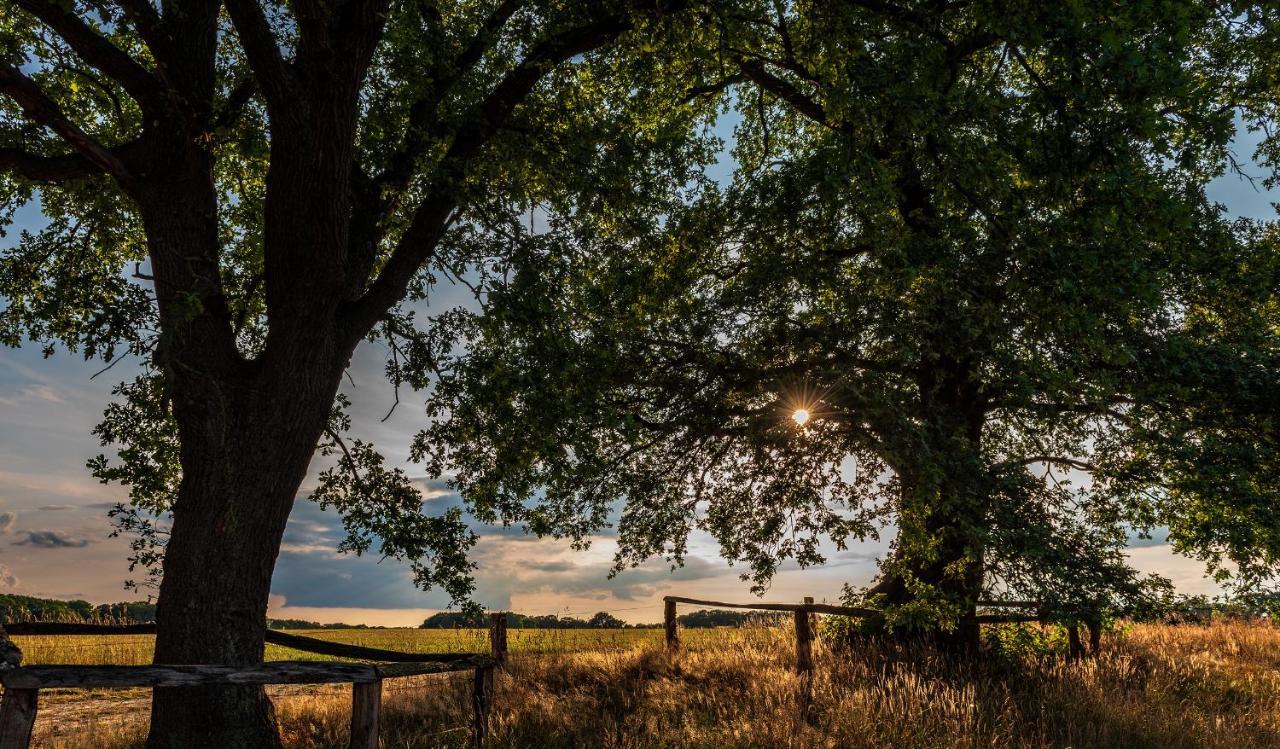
pixel 240 193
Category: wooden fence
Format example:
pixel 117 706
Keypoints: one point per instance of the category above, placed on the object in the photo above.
pixel 806 626
pixel 22 684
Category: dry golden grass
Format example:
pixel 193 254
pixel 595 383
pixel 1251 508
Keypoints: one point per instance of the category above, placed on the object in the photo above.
pixel 1153 686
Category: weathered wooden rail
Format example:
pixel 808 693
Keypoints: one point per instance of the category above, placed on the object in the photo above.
pixel 22 684
pixel 1091 620
pixel 806 629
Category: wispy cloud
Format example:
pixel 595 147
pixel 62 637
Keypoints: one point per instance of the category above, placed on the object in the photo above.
pixel 38 393
pixel 8 580
pixel 7 521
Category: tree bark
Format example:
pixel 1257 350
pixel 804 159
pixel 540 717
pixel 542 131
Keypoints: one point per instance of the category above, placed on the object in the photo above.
pixel 963 589
pixel 245 450
pixel 945 502
pixel 212 610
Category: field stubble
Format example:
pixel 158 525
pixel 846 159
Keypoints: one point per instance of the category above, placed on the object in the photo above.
pixel 1153 686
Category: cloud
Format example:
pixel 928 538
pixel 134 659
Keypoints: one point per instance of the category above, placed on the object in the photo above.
pixel 47 539
pixel 432 488
pixel 33 393
pixel 7 521
pixel 857 555
pixel 8 580
pixel 312 531
pixel 289 547
pixel 1188 575
pixel 1155 537
pixel 57 508
pixel 641 582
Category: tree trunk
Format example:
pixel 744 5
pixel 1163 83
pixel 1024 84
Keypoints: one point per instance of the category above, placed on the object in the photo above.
pixel 943 507
pixel 961 589
pixel 212 609
pixel 243 464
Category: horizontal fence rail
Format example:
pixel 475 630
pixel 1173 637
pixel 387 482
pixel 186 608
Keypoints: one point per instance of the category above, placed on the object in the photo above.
pixel 806 622
pixel 812 608
pixel 272 672
pixel 23 683
pixel 275 637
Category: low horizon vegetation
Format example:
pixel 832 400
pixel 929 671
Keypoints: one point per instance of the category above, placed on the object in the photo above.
pixel 21 608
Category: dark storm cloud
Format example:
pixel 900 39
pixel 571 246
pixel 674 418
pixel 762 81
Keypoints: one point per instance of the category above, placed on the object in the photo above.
pixel 47 539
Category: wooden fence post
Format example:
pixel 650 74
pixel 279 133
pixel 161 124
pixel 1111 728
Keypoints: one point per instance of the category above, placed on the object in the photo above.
pixel 1095 637
pixel 366 710
pixel 1074 649
pixel 804 643
pixel 18 707
pixel 481 699
pixel 498 637
pixel 804 658
pixel 669 624
pixel 17 717
pixel 813 620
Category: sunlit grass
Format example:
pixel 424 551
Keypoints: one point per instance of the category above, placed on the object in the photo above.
pixel 137 649
pixel 1153 686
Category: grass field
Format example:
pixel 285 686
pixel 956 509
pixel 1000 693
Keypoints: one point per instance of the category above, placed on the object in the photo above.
pixel 136 649
pixel 1153 686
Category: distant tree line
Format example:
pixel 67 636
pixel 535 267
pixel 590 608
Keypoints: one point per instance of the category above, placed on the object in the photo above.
pixel 722 618
pixel 458 619
pixel 15 608
pixel 304 624
pixel 601 620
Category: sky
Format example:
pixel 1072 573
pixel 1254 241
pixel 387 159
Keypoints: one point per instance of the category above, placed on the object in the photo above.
pixel 55 535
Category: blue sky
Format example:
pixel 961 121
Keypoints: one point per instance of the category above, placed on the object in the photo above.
pixel 54 534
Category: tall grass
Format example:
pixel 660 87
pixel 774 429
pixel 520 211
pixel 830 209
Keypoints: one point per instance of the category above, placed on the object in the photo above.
pixel 1152 686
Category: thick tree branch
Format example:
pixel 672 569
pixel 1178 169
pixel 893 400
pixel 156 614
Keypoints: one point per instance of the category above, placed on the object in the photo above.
pixel 39 108
pixel 482 41
pixel 1050 459
pixel 430 220
pixel 236 101
pixel 378 197
pixel 95 49
pixel 150 27
pixel 714 88
pixel 784 90
pixel 263 52
pixel 354 23
pixel 60 168
pixel 313 32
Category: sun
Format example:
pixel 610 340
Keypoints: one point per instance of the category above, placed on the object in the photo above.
pixel 801 416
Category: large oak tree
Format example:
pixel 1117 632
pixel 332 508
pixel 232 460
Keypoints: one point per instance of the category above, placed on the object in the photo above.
pixel 972 241
pixel 240 193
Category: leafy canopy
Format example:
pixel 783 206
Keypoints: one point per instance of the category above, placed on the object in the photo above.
pixel 449 122
pixel 974 244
